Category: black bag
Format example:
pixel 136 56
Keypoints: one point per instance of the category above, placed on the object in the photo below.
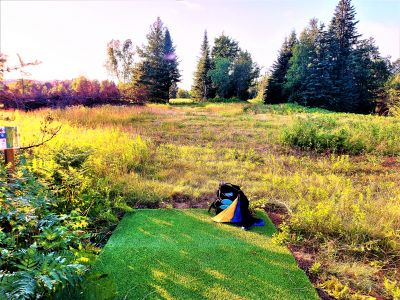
pixel 225 191
pixel 231 192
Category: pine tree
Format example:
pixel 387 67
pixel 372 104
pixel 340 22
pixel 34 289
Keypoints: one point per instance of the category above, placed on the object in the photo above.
pixel 275 88
pixel 171 62
pixel 202 85
pixel 157 71
pixel 343 38
pixel 300 64
pixel 370 73
pixel 318 84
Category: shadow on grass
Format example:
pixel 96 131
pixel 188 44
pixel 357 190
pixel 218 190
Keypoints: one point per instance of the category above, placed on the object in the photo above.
pixel 182 254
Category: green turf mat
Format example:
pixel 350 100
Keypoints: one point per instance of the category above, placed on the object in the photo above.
pixel 182 254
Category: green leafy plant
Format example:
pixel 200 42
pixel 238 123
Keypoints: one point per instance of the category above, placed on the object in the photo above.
pixel 41 251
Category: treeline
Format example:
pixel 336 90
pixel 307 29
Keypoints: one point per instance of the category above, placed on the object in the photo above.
pixel 332 68
pixel 329 67
pixel 148 73
pixel 225 71
pixel 29 94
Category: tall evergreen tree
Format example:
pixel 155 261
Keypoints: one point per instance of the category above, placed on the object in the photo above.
pixel 275 89
pixel 343 38
pixel 370 72
pixel 171 62
pixel 202 84
pixel 300 64
pixel 332 68
pixel 157 71
pixel 318 83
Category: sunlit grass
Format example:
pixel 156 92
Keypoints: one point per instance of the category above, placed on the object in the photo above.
pixel 181 254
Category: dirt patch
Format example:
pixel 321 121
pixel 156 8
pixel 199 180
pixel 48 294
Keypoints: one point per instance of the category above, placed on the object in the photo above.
pixel 392 163
pixel 303 254
pixel 180 200
pixel 276 213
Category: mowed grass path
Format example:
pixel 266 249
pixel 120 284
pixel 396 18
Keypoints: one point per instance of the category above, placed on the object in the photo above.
pixel 182 254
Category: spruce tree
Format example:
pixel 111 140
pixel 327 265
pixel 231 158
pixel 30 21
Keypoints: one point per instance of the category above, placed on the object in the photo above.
pixel 275 88
pixel 300 64
pixel 157 71
pixel 202 85
pixel 171 62
pixel 318 84
pixel 370 72
pixel 343 38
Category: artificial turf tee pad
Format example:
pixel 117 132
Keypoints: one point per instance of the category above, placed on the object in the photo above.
pixel 182 254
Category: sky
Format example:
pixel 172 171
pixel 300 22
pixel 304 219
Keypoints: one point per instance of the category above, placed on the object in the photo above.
pixel 70 37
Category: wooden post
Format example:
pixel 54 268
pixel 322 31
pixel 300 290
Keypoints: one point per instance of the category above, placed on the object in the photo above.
pixel 9 143
pixel 9 156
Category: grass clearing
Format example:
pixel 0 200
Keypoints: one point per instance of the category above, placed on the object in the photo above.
pixel 182 254
pixel 346 206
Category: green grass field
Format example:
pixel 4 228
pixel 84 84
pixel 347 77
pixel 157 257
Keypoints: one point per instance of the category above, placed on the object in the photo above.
pixel 182 254
pixel 337 174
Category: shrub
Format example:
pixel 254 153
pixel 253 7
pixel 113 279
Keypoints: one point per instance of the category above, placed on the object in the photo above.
pixel 41 252
pixel 341 133
pixel 283 109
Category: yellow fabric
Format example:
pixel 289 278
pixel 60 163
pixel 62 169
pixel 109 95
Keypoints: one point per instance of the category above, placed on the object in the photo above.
pixel 227 214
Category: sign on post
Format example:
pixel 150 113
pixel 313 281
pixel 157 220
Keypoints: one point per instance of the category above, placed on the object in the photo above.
pixel 8 143
pixel 8 138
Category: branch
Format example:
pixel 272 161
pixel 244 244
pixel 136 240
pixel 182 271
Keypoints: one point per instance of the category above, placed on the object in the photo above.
pixel 43 141
pixel 20 66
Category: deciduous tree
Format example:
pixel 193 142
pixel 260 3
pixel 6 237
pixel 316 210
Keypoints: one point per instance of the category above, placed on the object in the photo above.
pixel 119 61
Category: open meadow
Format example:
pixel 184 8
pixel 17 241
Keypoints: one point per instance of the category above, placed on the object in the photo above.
pixel 330 180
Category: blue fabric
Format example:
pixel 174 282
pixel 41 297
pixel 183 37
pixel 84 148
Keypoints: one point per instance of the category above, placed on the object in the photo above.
pixel 226 202
pixel 228 194
pixel 224 206
pixel 237 217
